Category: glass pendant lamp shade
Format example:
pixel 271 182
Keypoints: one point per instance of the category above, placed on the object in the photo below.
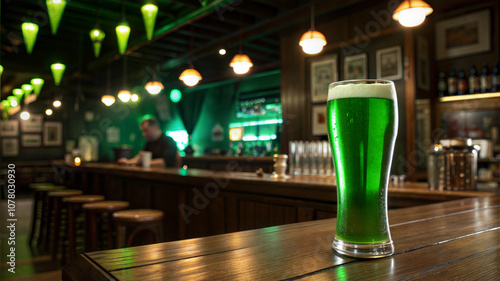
pixel 108 100
pixel 1 70
pixel 55 8
pixel 154 87
pixel 312 42
pixel 37 84
pixel 124 95
pixel 12 101
pixel 57 72
pixel 149 12
pixel 122 33
pixel 96 36
pixel 30 31
pixel 18 93
pixel 27 89
pixel 175 95
pixel 241 63
pixel 190 77
pixel 412 13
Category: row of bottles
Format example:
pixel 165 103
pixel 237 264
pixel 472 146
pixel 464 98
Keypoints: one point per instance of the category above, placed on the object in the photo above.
pixel 475 83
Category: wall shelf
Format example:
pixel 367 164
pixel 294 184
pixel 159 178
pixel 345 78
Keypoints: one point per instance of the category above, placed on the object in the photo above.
pixel 470 97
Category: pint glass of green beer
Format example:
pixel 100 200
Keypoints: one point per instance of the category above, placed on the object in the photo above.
pixel 362 120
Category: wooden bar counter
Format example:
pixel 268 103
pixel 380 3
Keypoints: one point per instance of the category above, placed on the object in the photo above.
pixel 456 240
pixel 200 203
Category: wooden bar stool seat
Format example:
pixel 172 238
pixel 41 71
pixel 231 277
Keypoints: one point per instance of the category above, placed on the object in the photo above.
pixel 39 213
pixel 55 203
pixel 93 211
pixel 140 220
pixel 74 209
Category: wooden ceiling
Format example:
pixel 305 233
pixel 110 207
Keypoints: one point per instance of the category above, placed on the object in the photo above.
pixel 258 24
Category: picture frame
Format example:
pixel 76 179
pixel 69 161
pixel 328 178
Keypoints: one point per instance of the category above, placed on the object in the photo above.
pixel 319 120
pixel 33 124
pixel 31 140
pixel 355 67
pixel 10 147
pixel 463 35
pixel 323 72
pixel 9 128
pixel 52 134
pixel 389 63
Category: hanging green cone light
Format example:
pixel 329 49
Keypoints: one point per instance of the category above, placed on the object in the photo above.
pixel 55 8
pixel 57 72
pixel 37 84
pixel 149 12
pixel 96 36
pixel 30 31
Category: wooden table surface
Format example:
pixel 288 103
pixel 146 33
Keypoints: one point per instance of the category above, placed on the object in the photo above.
pixel 455 240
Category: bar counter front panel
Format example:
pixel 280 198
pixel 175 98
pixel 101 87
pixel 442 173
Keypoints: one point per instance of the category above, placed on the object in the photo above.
pixel 200 203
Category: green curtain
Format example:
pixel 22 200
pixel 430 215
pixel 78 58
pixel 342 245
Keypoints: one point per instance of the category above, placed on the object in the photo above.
pixel 189 109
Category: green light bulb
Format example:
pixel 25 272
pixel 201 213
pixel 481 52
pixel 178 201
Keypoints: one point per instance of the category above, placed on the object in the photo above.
pixel 55 8
pixel 1 70
pixel 175 95
pixel 12 101
pixel 37 84
pixel 96 36
pixel 27 89
pixel 57 72
pixel 18 93
pixel 122 33
pixel 149 12
pixel 30 31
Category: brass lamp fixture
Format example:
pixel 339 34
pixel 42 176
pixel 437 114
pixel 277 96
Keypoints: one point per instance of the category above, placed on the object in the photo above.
pixel 313 41
pixel 412 13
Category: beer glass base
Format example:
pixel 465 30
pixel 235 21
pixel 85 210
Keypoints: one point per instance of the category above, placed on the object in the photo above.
pixel 364 251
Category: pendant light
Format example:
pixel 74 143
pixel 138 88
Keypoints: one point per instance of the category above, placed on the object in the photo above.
pixel 1 71
pixel 175 95
pixel 48 112
pixel 18 93
pixel 12 101
pixel 154 87
pixel 37 84
pixel 124 95
pixel 5 109
pixel 97 35
pixel 27 90
pixel 57 103
pixel 57 72
pixel 149 12
pixel 122 32
pixel 241 63
pixel 30 31
pixel 411 13
pixel 190 76
pixel 134 98
pixel 55 9
pixel 312 41
pixel 108 99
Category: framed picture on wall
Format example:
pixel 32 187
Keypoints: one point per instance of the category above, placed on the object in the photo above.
pixel 31 140
pixel 52 134
pixel 323 72
pixel 355 67
pixel 463 35
pixel 10 147
pixel 33 124
pixel 9 128
pixel 319 120
pixel 389 63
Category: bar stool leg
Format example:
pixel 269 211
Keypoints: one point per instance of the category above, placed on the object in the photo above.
pixel 46 222
pixel 55 228
pixel 91 236
pixel 110 231
pixel 72 230
pixel 34 216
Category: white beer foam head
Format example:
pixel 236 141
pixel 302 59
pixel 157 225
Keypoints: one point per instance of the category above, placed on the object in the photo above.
pixel 383 91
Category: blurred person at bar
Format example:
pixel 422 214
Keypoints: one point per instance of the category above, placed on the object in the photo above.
pixel 163 147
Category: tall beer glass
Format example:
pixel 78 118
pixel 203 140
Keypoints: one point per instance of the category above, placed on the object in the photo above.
pixel 362 119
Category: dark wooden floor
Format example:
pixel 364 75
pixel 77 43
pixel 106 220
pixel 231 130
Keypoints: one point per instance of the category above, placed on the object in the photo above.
pixel 30 264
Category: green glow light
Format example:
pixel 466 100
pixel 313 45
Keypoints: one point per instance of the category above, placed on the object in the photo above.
pixel 122 34
pixel 255 123
pixel 18 94
pixel 55 8
pixel 37 84
pixel 180 137
pixel 97 36
pixel 12 101
pixel 175 95
pixel 149 12
pixel 27 89
pixel 30 31
pixel 57 72
pixel 1 70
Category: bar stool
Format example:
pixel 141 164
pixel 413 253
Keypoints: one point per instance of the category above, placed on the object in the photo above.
pixel 74 209
pixel 55 202
pixel 95 210
pixel 139 220
pixel 39 211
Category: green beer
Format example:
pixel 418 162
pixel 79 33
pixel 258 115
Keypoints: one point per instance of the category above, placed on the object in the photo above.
pixel 362 120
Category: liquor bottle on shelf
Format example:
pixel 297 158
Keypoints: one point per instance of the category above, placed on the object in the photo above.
pixel 495 78
pixel 462 83
pixel 452 83
pixel 442 85
pixel 485 79
pixel 473 81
